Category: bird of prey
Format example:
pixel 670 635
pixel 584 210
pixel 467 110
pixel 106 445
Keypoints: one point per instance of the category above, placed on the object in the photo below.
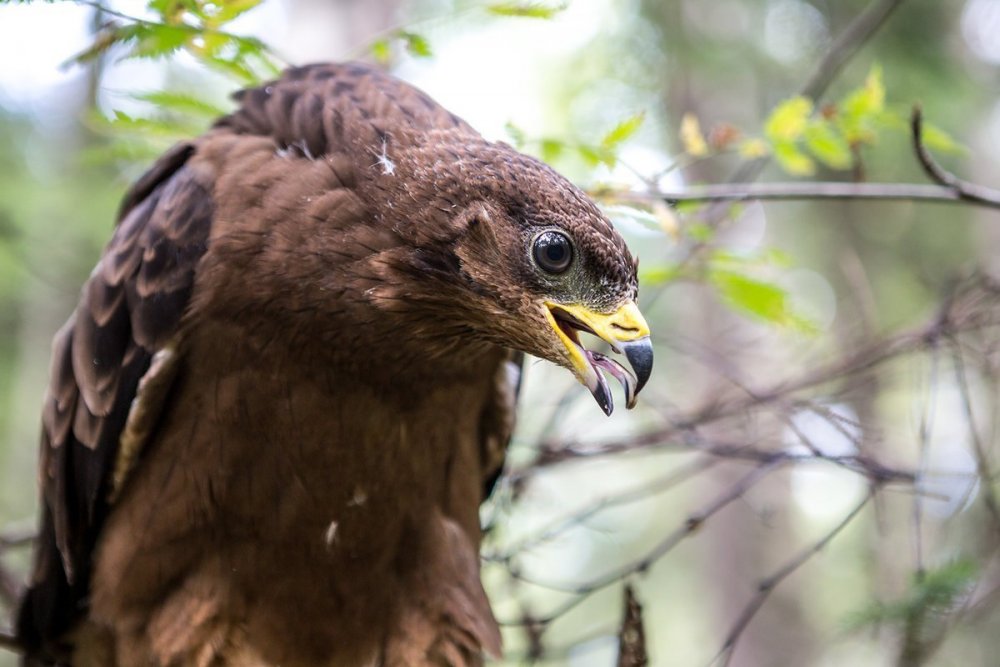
pixel 286 388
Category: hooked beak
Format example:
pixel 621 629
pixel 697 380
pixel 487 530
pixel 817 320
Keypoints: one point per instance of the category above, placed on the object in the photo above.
pixel 627 333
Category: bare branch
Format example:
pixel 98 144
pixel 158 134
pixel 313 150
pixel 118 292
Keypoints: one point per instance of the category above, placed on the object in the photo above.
pixel 950 189
pixel 965 191
pixel 847 44
pixel 768 584
pixel 13 538
pixel 10 642
pixel 690 526
pixel 982 461
pixel 632 636
pixel 578 516
pixel 795 191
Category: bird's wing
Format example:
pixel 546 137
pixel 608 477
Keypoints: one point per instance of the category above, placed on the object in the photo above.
pixel 496 424
pixel 114 348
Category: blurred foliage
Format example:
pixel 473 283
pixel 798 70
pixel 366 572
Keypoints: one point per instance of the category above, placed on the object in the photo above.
pixel 194 27
pixel 797 134
pixel 922 617
pixel 603 152
pixel 533 10
pixel 705 86
pixel 415 44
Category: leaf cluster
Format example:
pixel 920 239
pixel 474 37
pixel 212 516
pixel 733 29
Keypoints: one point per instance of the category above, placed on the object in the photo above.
pixel 743 281
pixel 923 613
pixel 196 27
pixel 799 135
pixel 168 28
pixel 604 151
pixel 387 47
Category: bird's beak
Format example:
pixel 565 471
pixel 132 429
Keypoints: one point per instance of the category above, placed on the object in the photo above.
pixel 627 333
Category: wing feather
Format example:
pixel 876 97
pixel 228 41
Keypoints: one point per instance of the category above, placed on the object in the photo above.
pixel 129 308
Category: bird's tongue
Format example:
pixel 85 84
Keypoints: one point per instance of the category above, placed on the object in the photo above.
pixel 601 391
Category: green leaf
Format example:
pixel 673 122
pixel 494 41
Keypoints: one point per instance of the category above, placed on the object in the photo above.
pixel 123 123
pixel 154 40
pixel 867 100
pixel 104 40
pixel 236 69
pixel 828 145
pixel 762 300
pixel 689 207
pixel 940 140
pixel 172 11
pixel 597 155
pixel 700 232
pixel 691 136
pixel 551 149
pixel 181 103
pixel 793 160
pixel 416 44
pixel 788 120
pixel 753 148
pixel 623 130
pixel 932 596
pixel 531 10
pixel 657 275
pixel 134 151
pixel 381 51
pixel 515 133
pixel 231 9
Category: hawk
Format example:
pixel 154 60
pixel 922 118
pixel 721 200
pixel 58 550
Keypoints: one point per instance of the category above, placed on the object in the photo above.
pixel 287 388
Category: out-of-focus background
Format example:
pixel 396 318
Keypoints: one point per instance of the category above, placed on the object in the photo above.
pixel 810 478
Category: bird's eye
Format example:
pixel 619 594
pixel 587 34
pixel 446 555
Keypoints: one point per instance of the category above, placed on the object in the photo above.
pixel 553 251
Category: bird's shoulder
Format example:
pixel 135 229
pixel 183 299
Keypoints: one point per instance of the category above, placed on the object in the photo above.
pixel 324 108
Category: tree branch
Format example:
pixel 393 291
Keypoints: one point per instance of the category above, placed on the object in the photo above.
pixel 768 584
pixel 950 189
pixel 816 190
pixel 10 642
pixel 961 189
pixel 848 42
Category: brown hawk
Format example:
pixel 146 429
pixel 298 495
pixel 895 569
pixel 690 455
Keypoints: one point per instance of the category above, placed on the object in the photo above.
pixel 284 393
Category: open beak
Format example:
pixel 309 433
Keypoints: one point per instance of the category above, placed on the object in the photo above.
pixel 627 333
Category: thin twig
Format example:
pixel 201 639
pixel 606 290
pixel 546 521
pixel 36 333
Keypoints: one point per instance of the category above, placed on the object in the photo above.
pixel 815 190
pixel 13 538
pixel 979 450
pixel 579 516
pixel 963 190
pixel 690 526
pixel 767 585
pixel 10 642
pixel 847 44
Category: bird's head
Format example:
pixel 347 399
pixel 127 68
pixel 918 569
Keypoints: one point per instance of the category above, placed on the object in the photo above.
pixel 537 263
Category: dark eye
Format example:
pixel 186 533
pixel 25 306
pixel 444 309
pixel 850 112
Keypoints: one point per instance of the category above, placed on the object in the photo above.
pixel 553 251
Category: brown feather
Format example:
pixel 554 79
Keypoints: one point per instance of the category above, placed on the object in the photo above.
pixel 332 281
